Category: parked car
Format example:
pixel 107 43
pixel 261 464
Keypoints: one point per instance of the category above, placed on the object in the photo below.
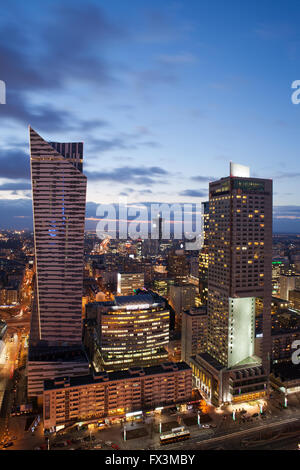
pixel 8 444
pixel 75 441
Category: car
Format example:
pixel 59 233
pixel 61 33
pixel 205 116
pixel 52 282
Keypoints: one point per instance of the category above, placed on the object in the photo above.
pixel 59 444
pixel 115 446
pixel 98 446
pixel 75 441
pixel 108 443
pixel 8 444
pixel 206 426
pixel 255 415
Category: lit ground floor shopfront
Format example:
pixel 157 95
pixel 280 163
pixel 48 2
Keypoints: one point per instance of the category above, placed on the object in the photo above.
pixel 219 385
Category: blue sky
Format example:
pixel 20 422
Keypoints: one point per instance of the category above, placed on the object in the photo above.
pixel 163 94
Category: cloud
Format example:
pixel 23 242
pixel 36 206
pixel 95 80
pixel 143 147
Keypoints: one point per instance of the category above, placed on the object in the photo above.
pixel 156 76
pixel 67 45
pixel 129 191
pixel 125 174
pixel 284 175
pixel 123 141
pixel 14 164
pixel 273 31
pixel 286 212
pixel 177 59
pixel 203 179
pixel 194 193
pixel 13 186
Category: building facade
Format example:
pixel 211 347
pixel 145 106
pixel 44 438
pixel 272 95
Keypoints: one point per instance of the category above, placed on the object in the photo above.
pixel 69 400
pixel 131 330
pixel 193 332
pixel 58 193
pixel 239 271
pixel 128 282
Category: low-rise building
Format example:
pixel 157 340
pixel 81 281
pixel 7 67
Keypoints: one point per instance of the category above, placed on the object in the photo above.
pixel 68 400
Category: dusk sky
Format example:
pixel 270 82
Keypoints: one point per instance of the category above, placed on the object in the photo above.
pixel 162 93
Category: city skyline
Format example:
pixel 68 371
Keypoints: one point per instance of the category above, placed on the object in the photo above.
pixel 203 87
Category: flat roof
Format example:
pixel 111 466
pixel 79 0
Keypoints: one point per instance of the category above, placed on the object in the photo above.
pixel 56 354
pixel 132 373
pixel 210 360
pixel 286 371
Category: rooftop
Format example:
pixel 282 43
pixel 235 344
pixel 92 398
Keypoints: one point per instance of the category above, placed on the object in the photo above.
pixel 286 371
pixel 56 354
pixel 131 373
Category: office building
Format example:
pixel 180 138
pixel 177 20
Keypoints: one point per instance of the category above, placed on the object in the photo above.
pixel 129 331
pixel 240 270
pixel 58 193
pixel 177 265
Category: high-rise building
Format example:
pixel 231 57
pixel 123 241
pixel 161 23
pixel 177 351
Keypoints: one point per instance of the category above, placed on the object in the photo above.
pixel 240 270
pixel 58 193
pixel 178 268
pixel 203 257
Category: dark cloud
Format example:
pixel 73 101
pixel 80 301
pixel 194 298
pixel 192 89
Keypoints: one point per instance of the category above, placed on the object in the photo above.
pixel 14 164
pixel 194 193
pixel 125 174
pixel 115 143
pixel 123 141
pixel 288 212
pixel 67 44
